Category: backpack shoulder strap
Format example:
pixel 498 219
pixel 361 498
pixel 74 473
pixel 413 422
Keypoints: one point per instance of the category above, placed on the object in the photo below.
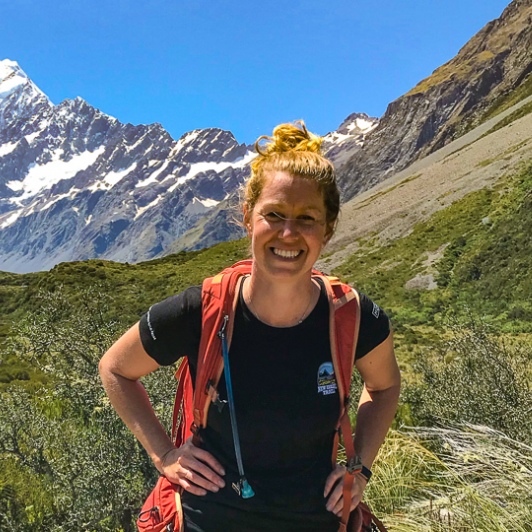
pixel 182 415
pixel 219 297
pixel 344 328
pixel 219 300
pixel 344 316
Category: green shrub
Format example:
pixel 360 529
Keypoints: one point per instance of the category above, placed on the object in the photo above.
pixel 473 377
pixel 67 462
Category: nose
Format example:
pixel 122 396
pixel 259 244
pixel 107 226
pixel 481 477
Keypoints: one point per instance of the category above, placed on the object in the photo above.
pixel 289 228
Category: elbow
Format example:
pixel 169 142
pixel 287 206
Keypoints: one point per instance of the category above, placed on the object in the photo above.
pixel 103 368
pixel 390 391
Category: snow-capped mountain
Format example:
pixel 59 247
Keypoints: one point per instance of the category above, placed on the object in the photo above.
pixel 339 145
pixel 19 97
pixel 76 183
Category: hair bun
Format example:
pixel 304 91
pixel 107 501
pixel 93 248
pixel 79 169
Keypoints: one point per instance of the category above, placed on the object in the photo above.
pixel 289 137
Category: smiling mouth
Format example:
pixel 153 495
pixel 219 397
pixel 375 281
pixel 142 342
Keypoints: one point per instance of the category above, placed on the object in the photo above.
pixel 285 254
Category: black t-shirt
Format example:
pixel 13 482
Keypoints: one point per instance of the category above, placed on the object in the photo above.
pixel 287 407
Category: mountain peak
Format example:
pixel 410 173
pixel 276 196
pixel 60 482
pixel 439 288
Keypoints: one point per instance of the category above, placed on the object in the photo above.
pixel 358 122
pixel 8 64
pixel 19 96
pixel 11 77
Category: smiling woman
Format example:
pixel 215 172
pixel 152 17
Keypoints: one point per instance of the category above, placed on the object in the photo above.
pixel 287 355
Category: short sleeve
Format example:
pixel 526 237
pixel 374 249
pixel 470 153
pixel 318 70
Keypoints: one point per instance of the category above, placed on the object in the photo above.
pixel 171 329
pixel 374 326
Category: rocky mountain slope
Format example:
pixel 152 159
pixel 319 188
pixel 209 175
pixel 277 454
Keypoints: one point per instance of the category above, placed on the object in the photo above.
pixel 76 183
pixel 390 210
pixel 493 65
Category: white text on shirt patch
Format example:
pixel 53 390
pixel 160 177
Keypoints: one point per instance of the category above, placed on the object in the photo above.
pixel 326 379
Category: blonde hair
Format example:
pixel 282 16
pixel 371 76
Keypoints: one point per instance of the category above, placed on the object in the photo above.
pixel 292 148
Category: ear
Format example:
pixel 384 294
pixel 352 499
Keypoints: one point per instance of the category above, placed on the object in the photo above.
pixel 329 234
pixel 246 216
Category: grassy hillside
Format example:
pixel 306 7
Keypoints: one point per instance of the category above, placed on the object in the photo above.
pixel 473 256
pixel 136 286
pixel 132 287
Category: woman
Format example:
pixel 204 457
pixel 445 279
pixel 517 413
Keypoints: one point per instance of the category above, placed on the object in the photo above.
pixel 280 344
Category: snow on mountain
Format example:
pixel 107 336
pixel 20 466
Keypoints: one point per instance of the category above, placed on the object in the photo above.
pixel 349 137
pixel 19 97
pixel 76 183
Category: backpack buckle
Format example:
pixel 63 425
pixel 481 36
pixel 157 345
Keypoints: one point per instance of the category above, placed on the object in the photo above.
pixel 354 465
pixel 219 403
pixel 212 392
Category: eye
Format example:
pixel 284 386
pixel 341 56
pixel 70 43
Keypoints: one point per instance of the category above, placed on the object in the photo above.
pixel 273 216
pixel 306 219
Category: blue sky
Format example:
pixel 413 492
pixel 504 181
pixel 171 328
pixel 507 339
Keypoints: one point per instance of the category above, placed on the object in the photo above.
pixel 239 65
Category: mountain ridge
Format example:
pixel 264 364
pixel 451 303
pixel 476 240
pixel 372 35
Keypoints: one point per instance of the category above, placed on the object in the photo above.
pixel 443 106
pixel 76 183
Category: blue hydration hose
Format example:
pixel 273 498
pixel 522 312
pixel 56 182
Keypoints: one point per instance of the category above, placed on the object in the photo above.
pixel 243 488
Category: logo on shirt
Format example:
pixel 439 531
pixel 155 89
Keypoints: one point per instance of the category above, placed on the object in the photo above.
pixel 326 379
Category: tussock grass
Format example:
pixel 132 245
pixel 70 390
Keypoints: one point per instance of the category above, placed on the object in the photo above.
pixel 462 478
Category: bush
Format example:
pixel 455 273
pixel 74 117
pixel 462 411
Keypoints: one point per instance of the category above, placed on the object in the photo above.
pixel 475 378
pixel 67 462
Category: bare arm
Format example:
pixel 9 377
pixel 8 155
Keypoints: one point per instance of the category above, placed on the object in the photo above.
pixel 376 410
pixel 120 370
pixel 378 400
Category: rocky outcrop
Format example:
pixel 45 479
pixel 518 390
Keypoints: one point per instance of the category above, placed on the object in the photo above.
pixel 456 97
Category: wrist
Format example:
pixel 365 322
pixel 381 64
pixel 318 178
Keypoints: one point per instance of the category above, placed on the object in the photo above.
pixel 160 460
pixel 355 465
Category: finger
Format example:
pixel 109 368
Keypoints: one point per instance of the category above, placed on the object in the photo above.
pixel 208 459
pixel 333 478
pixel 191 488
pixel 201 473
pixel 184 469
pixel 189 449
pixel 191 481
pixel 335 504
pixel 335 500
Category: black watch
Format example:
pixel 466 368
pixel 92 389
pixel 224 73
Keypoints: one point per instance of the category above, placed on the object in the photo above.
pixel 355 465
pixel 366 473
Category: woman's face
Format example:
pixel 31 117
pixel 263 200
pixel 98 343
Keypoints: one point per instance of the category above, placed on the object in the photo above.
pixel 287 226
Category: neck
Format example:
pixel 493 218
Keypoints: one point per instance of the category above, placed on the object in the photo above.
pixel 279 304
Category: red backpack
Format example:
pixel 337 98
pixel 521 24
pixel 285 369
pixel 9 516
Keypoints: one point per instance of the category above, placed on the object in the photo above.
pixel 162 509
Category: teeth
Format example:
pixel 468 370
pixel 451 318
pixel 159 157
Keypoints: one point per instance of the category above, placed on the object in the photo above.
pixel 285 253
